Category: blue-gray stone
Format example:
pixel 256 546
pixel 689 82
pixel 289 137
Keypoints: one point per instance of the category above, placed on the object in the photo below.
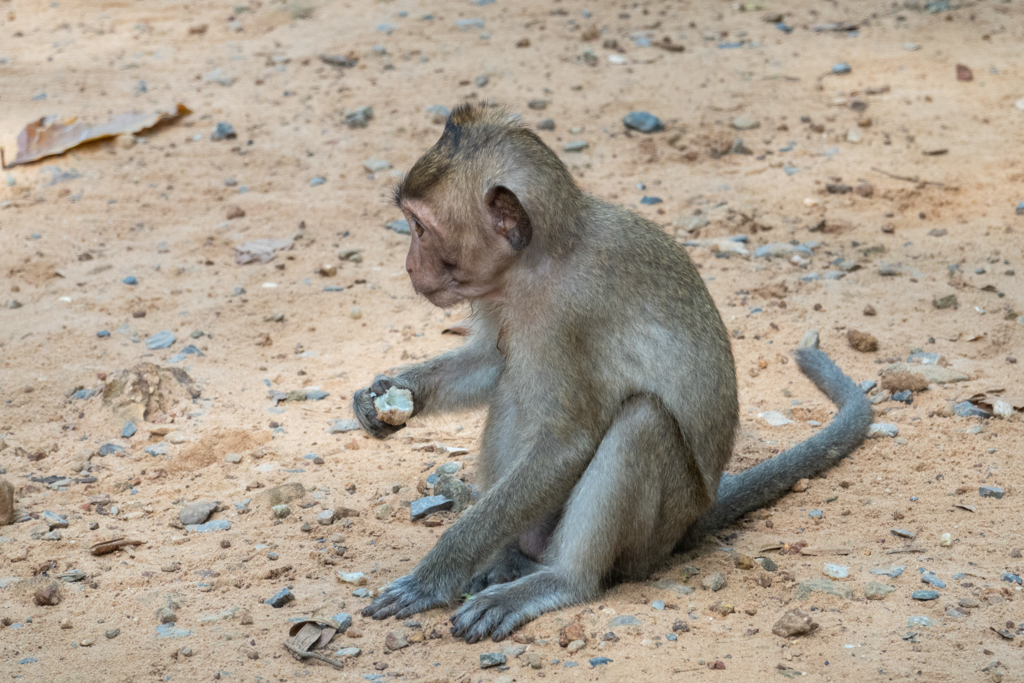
pixel 643 121
pixel 575 146
pixel 816 514
pixel 432 479
pixel 400 227
pixel 130 280
pixel 867 385
pixel 471 23
pixel 932 580
pixel 54 520
pixel 489 659
pixel 919 621
pixel 841 68
pixel 129 429
pixel 84 394
pixel 658 604
pixel 438 110
pixel 925 595
pixel 160 340
pixel 968 409
pixel 28 660
pixel 157 449
pixel 449 468
pixel 1010 577
pixel 110 449
pixel 425 506
pixel 905 396
pixel 223 131
pixel 103 334
pixel 171 631
pixel 904 533
pixel 598 661
pixel 624 620
pixel 361 593
pixel 1020 209
pixel 317 180
pixel 281 598
pixel 316 395
pixel 342 426
pixel 215 525
pixel 990 492
pixel 344 620
pixel 671 636
pixel 651 200
pixel 924 358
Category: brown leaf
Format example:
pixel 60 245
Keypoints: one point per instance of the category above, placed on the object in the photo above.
pixel 104 547
pixel 50 135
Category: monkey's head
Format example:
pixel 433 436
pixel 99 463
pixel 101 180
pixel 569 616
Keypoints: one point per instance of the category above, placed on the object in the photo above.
pixel 477 204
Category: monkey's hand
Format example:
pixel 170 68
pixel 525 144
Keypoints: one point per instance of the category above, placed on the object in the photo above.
pixel 413 594
pixel 366 412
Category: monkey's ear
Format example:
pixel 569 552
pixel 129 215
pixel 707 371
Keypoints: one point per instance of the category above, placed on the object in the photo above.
pixel 508 217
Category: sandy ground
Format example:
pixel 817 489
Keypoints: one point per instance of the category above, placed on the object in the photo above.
pixel 942 157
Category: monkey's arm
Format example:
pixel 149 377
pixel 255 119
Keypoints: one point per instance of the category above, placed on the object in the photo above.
pixel 459 379
pixel 531 489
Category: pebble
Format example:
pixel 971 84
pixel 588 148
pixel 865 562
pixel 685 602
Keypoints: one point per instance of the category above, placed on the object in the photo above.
pixel 876 591
pixel 375 165
pixel 166 615
pixel 902 533
pixel 342 426
pixel 810 340
pixel 867 385
pixel 103 334
pixel 383 511
pixel 841 68
pixel 196 513
pixel 878 430
pixel 1003 409
pixel 744 123
pixel 925 595
pixel 836 571
pixel 1011 577
pixel 359 118
pixel 316 181
pixel 354 578
pixel 424 506
pixel 281 511
pixel 575 146
pixel 643 122
pixel 794 623
pixel 816 514
pixel 218 76
pixel 223 131
pixel 806 588
pixel 281 598
pixel 779 249
pixel 968 409
pixel 348 652
pixel 905 396
pixel 546 124
pixel 489 659
pixel 233 458
pixel 112 633
pixel 598 661
pixel 932 580
pixel 990 492
pixel 946 540
pixel 325 518
pixel 715 582
pixel 160 340
pixel 215 525
pixel 775 418
pixel 130 280
pixel 922 621
pixel 157 449
pixel 129 430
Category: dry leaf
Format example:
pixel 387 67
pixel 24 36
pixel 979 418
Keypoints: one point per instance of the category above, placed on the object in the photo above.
pixel 104 547
pixel 50 135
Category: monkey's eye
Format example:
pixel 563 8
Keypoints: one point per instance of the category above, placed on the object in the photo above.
pixel 419 228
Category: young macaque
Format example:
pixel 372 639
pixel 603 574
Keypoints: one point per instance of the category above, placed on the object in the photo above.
pixel 607 375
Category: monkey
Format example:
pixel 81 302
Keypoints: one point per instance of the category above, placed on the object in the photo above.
pixel 608 378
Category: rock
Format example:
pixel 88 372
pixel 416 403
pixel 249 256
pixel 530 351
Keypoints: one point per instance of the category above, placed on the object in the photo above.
pixel 454 490
pixel 990 492
pixel 281 511
pixel 925 595
pixel 899 382
pixel 794 623
pixel 715 582
pixel 781 249
pixel 233 458
pixel 948 301
pixel 130 280
pixel 854 136
pixel 395 406
pixel 932 374
pixel 234 211
pixel 878 430
pixel 218 76
pixel 196 513
pixel 575 146
pixel 160 340
pixel 215 525
pixel 743 561
pixel 261 250
pixel 744 123
pixel 571 632
pixel 768 564
pixel 285 493
pixel 47 596
pixel 946 540
pixel 281 598
pixel 129 429
pixel 375 165
pixel 342 426
pixel 348 652
pixel 489 659
pixel 575 646
pixel 841 68
pixel 805 588
pixel 6 502
pixel 1002 408
pixel 424 506
pixel 775 418
pixel 876 591
pixel 325 518
pixel 932 580
pixel 903 533
pixel 223 131
pixel 395 641
pixel 862 341
pixel 643 122
pixel 836 571
pixel 891 572
pixel 624 620
pixel 809 340
pixel 739 148
pixel 317 181
pixel 359 118
pixel 968 409
pixel 546 124
pixel 112 633
pixel 354 578
pixel 800 486
pixel 383 511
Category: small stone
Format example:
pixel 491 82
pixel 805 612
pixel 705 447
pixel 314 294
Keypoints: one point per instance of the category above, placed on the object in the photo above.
pixel 1011 578
pixel 234 211
pixel 946 540
pixel 768 564
pixel 223 131
pixel 375 165
pixel 399 227
pixel 482 80
pixel 166 615
pixel 281 598
pixel 395 641
pixel 816 514
pixel 794 623
pixel 775 418
pixel 328 270
pixel 854 136
pixel 809 340
pixel 359 118
pixel 47 596
pixel 743 561
pixel 546 124
pixel 454 490
pixel 1002 408
pixel 925 595
pixel 948 301
pixel 215 525
pixel 643 122
pixel 806 588
pixel 744 123
pixel 160 340
pixel 800 486
pixel 537 105
pixel 425 506
pixel 715 582
pixel 968 409
pixel 489 659
pixel 65 624
pixel 285 493
pixel 878 430
pixel 354 578
pixel 575 146
pixel 903 533
pixel 876 591
pixel 129 429
pixel 932 580
pixel 112 633
pixel 130 280
pixel 281 511
pixel 723 608
pixel 196 513
pixel 534 661
pixel 990 492
pixel 325 518
pixel 869 310
pixel 317 181
pixel 348 652
pixel 85 643
pixel 218 76
pixel 383 511
pixel 395 406
pixel 836 571
pixel 575 646
pixel 862 341
pixel 891 572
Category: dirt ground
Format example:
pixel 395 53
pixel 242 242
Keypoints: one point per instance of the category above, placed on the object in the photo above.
pixel 936 170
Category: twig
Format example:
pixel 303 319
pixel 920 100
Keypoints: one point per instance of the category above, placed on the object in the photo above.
pixel 909 179
pixel 313 655
pixel 899 551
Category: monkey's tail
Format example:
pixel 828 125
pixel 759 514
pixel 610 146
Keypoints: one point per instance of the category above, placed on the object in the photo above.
pixel 768 481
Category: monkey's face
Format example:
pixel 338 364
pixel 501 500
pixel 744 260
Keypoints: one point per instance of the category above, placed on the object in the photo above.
pixel 448 265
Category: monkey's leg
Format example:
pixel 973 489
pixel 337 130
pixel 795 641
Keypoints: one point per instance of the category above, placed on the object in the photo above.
pixel 640 491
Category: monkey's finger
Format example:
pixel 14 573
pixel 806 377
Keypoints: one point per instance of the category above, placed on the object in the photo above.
pixel 508 625
pixel 419 606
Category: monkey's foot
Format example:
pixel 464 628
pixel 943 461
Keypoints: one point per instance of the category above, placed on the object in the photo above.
pixel 405 597
pixel 512 565
pixel 501 609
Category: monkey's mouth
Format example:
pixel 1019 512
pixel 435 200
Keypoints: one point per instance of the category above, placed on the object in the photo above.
pixel 443 297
